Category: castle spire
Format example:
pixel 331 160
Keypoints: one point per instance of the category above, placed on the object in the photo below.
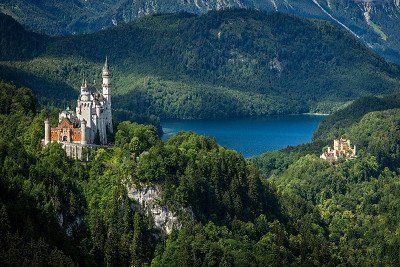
pixel 84 84
pixel 105 68
pixel 106 77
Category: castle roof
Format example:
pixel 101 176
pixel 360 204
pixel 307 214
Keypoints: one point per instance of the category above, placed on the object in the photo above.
pixel 106 71
pixel 65 123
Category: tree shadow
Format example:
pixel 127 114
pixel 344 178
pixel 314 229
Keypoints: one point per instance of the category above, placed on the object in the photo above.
pixel 48 92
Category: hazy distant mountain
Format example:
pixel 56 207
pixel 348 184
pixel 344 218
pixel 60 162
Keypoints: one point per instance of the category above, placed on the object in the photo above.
pixel 374 21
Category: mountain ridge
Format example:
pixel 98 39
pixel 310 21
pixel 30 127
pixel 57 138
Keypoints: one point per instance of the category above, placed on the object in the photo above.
pixel 375 22
pixel 221 64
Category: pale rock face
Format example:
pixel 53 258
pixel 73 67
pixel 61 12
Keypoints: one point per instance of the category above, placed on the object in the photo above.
pixel 275 5
pixel 148 197
pixel 275 64
pixel 75 225
pixel 367 10
pixel 69 227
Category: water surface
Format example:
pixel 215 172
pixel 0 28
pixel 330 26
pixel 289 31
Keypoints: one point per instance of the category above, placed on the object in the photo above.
pixel 251 136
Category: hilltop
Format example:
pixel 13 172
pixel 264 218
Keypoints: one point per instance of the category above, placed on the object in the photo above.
pixel 222 64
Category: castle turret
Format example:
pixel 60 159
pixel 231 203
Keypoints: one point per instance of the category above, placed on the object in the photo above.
pixel 47 132
pixel 90 122
pixel 106 80
pixel 107 96
pixel 336 144
pixel 83 132
pixel 85 94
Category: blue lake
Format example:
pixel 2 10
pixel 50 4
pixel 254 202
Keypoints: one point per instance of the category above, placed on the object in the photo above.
pixel 250 137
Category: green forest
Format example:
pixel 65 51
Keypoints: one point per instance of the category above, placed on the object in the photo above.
pixel 232 63
pixel 354 201
pixel 282 208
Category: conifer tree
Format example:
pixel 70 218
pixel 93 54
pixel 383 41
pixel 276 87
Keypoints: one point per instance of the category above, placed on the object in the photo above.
pixel 96 140
pixel 138 237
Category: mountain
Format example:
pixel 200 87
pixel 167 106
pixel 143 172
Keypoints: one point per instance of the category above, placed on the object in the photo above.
pixel 221 64
pixel 18 43
pixel 374 22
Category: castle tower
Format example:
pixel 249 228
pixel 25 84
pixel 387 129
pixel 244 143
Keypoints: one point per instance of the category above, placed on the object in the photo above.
pixel 47 132
pixel 85 94
pixel 91 120
pixel 83 132
pixel 336 144
pixel 84 109
pixel 107 96
pixel 106 80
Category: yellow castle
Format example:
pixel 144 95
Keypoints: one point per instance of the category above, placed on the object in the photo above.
pixel 341 149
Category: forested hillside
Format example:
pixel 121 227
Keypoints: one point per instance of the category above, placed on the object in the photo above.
pixel 374 22
pixel 304 211
pixel 338 123
pixel 58 211
pixel 285 208
pixel 18 43
pixel 354 200
pixel 221 64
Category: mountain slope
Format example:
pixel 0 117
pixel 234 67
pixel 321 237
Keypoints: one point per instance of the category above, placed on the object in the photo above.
pixel 354 198
pixel 338 123
pixel 221 64
pixel 54 210
pixel 18 43
pixel 375 22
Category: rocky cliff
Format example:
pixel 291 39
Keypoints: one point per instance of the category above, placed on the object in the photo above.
pixel 148 198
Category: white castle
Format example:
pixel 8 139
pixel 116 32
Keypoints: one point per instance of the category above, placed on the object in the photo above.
pixel 89 124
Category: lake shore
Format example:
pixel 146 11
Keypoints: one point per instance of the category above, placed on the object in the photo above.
pixel 316 114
